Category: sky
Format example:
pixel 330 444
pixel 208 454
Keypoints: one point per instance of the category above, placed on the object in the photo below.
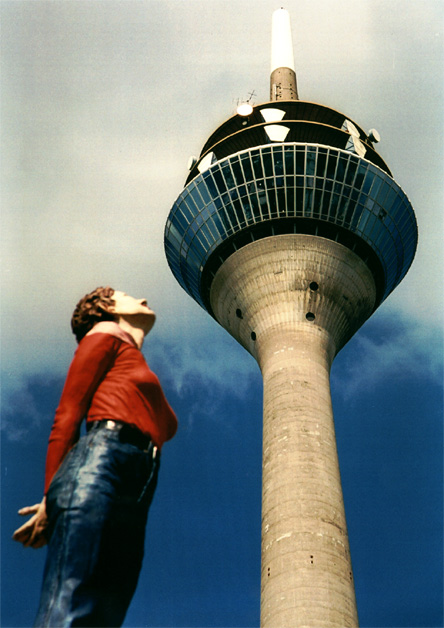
pixel 102 104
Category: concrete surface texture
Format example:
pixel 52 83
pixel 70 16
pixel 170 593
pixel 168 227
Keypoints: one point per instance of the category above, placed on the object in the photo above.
pixel 293 301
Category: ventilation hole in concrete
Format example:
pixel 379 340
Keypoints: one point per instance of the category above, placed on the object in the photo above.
pixel 268 572
pixel 253 335
pixel 314 286
pixel 311 559
pixel 351 576
pixel 239 313
pixel 310 316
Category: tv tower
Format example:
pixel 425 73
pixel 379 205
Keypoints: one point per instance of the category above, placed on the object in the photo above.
pixel 290 232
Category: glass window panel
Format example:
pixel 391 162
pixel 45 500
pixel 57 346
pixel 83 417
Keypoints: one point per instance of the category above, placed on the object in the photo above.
pixel 188 236
pixel 299 201
pixel 206 232
pixel 272 204
pixel 371 226
pixel 346 210
pixel 364 216
pixel 311 161
pixel 357 211
pixel 341 168
pixel 257 166
pixel 246 165
pixel 326 199
pixel 321 163
pixel 245 202
pixel 239 213
pixel 368 182
pixel 390 199
pixel 359 179
pixel 351 172
pixel 308 202
pixel 204 192
pixel 377 182
pixel 385 187
pixel 228 176
pixel 281 202
pixel 228 211
pixel 174 233
pixel 234 194
pixel 219 181
pixel 300 162
pixel 268 165
pixel 205 213
pixel 290 202
pixel 278 159
pixel 198 248
pixel 179 221
pixel 289 159
pixel 209 182
pixel 317 203
pixel 237 170
pixel 331 165
pixel 185 210
pixel 334 206
pixel 254 203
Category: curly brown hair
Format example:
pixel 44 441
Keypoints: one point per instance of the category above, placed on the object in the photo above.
pixel 90 310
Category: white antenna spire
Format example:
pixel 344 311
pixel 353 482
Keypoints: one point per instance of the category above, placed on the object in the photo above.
pixel 283 77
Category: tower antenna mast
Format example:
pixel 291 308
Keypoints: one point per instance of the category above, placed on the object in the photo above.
pixel 283 84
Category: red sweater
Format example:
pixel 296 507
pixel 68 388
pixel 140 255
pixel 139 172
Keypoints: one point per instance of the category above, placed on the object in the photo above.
pixel 108 379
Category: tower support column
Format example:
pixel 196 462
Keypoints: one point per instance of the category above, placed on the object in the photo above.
pixel 306 575
pixel 293 301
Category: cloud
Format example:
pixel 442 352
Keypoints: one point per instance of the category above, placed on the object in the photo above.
pixel 25 407
pixel 388 348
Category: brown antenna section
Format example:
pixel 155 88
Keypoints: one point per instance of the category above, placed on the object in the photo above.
pixel 283 76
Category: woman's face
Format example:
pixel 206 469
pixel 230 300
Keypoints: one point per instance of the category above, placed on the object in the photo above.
pixel 124 305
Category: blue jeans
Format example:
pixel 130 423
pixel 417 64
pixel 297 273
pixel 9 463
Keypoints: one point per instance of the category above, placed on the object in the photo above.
pixel 97 507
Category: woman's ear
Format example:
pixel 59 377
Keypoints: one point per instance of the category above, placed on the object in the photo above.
pixel 108 308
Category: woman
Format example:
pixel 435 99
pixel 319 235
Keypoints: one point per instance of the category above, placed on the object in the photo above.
pixel 98 488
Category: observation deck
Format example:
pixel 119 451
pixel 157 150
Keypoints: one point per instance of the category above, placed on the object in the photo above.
pixel 290 167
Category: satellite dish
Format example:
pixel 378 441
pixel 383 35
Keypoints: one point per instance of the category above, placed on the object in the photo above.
pixel 374 136
pixel 244 109
pixel 192 161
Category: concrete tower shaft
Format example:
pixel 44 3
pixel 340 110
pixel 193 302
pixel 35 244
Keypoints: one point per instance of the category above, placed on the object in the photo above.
pixel 303 296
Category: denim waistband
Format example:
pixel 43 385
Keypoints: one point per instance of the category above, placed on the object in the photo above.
pixel 127 434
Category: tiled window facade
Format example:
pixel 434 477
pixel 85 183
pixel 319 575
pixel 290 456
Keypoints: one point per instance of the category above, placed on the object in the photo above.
pixel 289 181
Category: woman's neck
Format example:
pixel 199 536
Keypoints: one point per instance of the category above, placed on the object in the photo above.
pixel 134 328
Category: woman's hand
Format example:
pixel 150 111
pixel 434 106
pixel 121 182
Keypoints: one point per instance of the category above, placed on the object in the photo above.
pixel 33 532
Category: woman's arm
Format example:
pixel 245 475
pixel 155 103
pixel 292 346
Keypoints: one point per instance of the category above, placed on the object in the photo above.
pixel 93 358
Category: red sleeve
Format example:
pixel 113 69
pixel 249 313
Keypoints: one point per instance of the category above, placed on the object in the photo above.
pixel 93 358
